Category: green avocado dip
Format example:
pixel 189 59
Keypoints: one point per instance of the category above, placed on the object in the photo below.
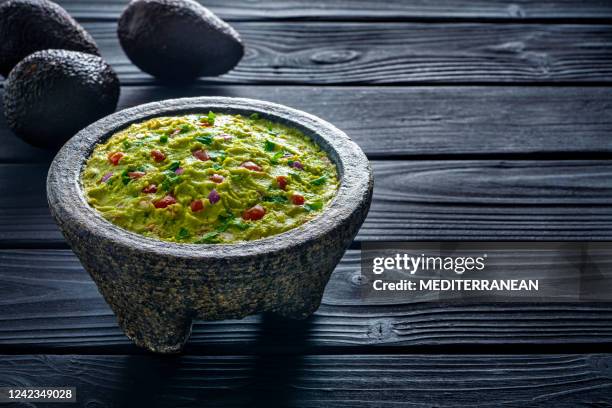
pixel 211 178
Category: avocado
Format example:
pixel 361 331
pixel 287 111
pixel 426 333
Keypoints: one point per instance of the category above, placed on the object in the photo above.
pixel 178 40
pixel 52 94
pixel 27 26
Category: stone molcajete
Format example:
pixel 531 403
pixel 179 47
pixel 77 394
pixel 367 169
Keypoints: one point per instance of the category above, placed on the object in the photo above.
pixel 157 288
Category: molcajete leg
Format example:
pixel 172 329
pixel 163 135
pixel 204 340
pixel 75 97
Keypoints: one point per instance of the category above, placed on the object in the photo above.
pixel 155 328
pixel 151 312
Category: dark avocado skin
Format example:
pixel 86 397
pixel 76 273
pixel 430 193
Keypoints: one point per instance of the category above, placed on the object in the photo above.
pixel 178 40
pixel 51 95
pixel 27 26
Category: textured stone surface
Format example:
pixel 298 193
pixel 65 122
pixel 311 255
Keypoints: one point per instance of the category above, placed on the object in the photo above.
pixel 156 288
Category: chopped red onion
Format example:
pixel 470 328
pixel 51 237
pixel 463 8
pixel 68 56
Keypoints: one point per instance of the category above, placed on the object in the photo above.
pixel 106 177
pixel 213 196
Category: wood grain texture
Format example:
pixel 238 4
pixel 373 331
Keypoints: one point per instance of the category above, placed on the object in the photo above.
pixel 392 122
pixel 563 381
pixel 48 302
pixel 402 53
pixel 368 10
pixel 413 200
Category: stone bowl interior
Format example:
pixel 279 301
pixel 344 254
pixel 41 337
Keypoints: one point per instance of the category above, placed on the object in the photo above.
pixel 66 196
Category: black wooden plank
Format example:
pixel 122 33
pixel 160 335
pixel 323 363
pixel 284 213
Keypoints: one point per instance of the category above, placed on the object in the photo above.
pixel 369 10
pixel 561 381
pixel 48 302
pixel 396 53
pixel 419 121
pixel 487 199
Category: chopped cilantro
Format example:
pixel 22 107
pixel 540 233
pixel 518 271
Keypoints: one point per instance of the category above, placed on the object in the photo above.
pixel 170 180
pixel 295 176
pixel 319 181
pixel 229 220
pixel 204 139
pixel 208 238
pixel 174 165
pixel 124 177
pixel 225 217
pixel 185 128
pixel 217 166
pixel 225 220
pixel 275 199
pixel 254 116
pixel 221 155
pixel 274 159
pixel 167 184
pixel 240 225
pixel 269 146
pixel 314 206
pixel 182 234
pixel 237 177
pixel 163 139
pixel 211 117
pixel 126 144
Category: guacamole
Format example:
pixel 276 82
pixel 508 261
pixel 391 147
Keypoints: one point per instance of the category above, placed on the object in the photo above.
pixel 209 178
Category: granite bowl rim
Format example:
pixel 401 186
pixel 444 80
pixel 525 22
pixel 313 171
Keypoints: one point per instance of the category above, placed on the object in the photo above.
pixel 355 185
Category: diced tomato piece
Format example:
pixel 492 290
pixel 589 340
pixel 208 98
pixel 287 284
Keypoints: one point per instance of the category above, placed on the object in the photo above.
pixel 216 178
pixel 251 166
pixel 254 213
pixel 164 202
pixel 282 182
pixel 136 174
pixel 115 158
pixel 201 155
pixel 197 205
pixel 158 156
pixel 150 189
pixel 297 199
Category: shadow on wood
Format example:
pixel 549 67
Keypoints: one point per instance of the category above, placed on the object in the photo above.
pixel 272 377
pixel 263 379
